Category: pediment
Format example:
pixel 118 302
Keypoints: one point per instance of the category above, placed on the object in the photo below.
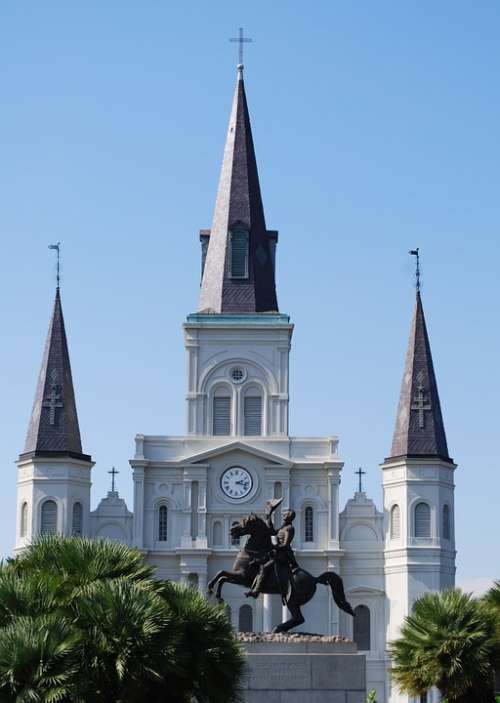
pixel 365 591
pixel 268 457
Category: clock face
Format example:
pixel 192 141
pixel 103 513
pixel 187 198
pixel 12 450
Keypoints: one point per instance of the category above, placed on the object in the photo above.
pixel 236 482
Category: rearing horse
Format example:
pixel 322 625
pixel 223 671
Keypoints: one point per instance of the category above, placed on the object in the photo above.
pixel 246 567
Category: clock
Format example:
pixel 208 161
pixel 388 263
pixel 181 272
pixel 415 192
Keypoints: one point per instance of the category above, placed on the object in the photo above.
pixel 236 482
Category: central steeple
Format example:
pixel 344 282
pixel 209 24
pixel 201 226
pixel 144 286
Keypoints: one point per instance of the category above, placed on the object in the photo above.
pixel 238 275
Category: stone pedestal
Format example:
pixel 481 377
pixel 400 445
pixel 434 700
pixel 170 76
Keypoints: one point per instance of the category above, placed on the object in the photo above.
pixel 303 668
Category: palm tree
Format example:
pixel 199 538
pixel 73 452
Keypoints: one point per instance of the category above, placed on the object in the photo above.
pixel 492 601
pixel 213 672
pixel 448 642
pixel 39 659
pixel 85 620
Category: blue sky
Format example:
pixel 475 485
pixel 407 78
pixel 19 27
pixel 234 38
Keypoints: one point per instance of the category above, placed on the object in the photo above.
pixel 376 131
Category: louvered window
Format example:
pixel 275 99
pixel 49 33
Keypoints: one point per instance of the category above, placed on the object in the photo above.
pixel 308 524
pixel 239 254
pixel 446 522
pixel 76 527
pixel 24 519
pixel 162 523
pixel 253 414
pixel 222 415
pixel 361 628
pixel 395 522
pixel 49 518
pixel 422 520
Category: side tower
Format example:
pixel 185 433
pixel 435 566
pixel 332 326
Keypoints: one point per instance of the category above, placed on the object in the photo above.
pixel 53 473
pixel 238 343
pixel 418 489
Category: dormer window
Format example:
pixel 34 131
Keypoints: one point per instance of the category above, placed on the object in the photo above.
pixel 239 253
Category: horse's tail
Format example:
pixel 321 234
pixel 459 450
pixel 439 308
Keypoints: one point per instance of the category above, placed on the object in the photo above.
pixel 330 578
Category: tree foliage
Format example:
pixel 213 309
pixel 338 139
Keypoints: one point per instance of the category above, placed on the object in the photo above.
pixel 84 620
pixel 449 642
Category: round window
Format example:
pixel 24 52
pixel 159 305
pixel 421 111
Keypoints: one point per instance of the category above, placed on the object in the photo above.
pixel 237 374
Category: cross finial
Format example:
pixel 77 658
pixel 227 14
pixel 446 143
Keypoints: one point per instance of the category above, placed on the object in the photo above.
pixel 241 39
pixel 415 253
pixel 113 473
pixel 57 247
pixel 359 473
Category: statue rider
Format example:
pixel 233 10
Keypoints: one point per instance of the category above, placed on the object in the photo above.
pixel 281 554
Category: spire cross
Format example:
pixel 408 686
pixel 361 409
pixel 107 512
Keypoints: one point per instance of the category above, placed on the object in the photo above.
pixel 57 247
pixel 420 403
pixel 359 473
pixel 241 39
pixel 415 253
pixel 113 473
pixel 54 399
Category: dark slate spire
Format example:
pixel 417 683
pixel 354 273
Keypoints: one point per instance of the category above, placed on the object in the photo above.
pixel 419 428
pixel 239 208
pixel 53 428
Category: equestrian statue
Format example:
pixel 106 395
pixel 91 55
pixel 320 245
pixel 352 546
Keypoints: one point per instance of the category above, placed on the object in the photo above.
pixel 267 564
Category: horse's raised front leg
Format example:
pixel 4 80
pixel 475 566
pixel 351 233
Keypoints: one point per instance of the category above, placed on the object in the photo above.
pixel 296 619
pixel 211 584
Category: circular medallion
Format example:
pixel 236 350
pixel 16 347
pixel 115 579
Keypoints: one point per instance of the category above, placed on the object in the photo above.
pixel 236 482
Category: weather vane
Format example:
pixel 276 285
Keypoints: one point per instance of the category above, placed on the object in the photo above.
pixel 241 39
pixel 113 473
pixel 415 253
pixel 359 473
pixel 57 247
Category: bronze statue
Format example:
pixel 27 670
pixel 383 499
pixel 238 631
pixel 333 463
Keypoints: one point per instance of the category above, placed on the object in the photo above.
pixel 266 564
pixel 281 554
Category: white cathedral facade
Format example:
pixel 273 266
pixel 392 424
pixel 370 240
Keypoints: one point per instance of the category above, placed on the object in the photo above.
pixel 237 452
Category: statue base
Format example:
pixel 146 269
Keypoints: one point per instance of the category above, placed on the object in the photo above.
pixel 295 668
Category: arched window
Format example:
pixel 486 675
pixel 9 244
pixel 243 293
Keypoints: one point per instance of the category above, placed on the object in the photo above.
pixel 252 412
pixel 361 627
pixel 395 522
pixel 162 523
pixel 235 541
pixel 308 524
pixel 76 523
pixel 24 519
pixel 245 619
pixel 446 522
pixel 217 534
pixel 422 520
pixel 222 412
pixel 49 518
pixel 193 580
pixel 239 253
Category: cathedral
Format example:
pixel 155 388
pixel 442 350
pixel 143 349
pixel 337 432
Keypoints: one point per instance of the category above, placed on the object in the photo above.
pixel 237 451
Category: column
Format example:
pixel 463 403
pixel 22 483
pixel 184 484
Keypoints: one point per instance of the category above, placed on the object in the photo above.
pixel 202 513
pixel 186 540
pixel 139 507
pixel 333 508
pixel 267 611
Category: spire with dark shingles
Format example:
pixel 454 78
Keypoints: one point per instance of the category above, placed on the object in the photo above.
pixel 239 207
pixel 419 428
pixel 53 428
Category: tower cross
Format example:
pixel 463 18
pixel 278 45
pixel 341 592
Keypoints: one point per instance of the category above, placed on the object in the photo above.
pixel 57 248
pixel 113 473
pixel 241 39
pixel 416 254
pixel 54 400
pixel 420 402
pixel 359 473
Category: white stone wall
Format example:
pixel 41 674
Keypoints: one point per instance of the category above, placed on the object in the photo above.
pixel 66 481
